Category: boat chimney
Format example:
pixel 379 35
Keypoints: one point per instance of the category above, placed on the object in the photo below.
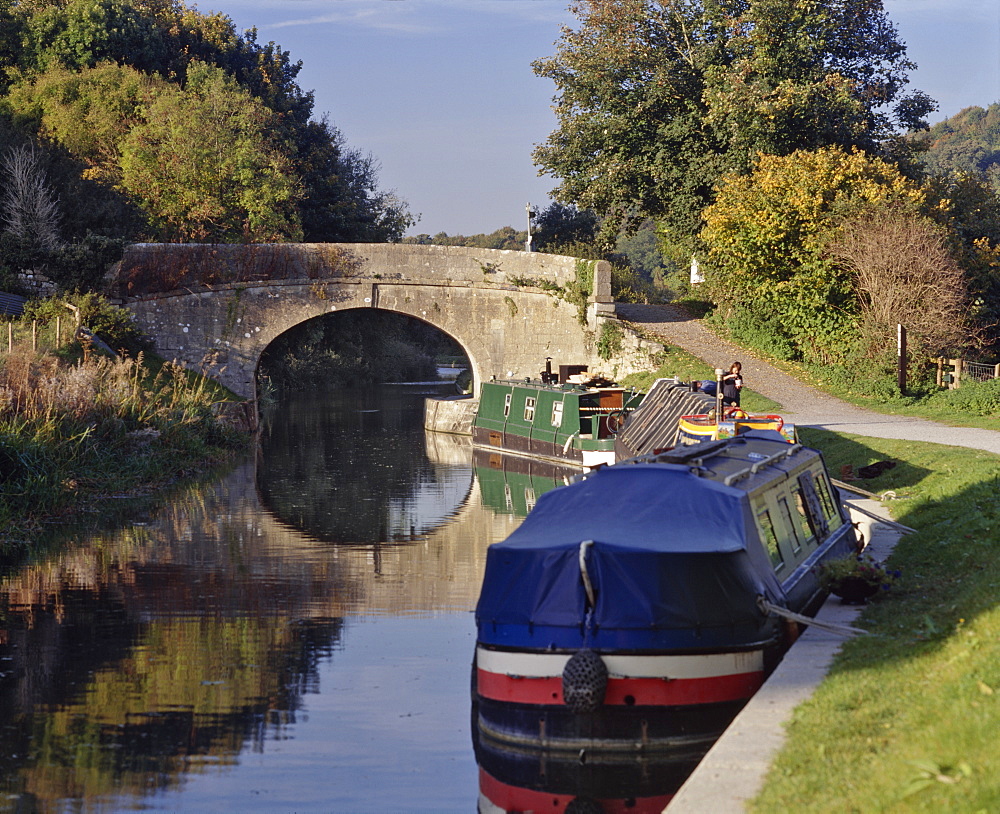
pixel 548 377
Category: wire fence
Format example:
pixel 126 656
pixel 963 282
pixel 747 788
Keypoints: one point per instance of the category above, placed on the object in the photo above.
pixel 952 372
pixel 39 336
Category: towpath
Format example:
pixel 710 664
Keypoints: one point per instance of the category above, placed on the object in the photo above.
pixel 733 771
pixel 802 405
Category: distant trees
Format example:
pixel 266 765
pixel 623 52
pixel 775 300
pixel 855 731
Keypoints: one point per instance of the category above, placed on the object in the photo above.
pixel 968 143
pixel 559 227
pixel 506 237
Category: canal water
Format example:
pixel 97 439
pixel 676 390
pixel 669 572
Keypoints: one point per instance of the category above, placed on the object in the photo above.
pixel 296 636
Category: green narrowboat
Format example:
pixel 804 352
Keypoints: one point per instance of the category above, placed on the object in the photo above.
pixel 565 422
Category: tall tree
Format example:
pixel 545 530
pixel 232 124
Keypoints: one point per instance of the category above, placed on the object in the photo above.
pixel 656 99
pixel 92 72
pixel 205 166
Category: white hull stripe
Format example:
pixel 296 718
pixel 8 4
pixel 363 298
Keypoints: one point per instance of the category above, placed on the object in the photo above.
pixel 546 665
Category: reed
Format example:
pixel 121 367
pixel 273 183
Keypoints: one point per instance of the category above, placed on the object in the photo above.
pixel 74 432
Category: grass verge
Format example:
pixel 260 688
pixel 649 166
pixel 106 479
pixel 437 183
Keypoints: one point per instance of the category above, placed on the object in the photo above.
pixel 907 718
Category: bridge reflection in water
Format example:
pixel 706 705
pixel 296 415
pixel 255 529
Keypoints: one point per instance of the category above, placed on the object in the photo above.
pixel 295 636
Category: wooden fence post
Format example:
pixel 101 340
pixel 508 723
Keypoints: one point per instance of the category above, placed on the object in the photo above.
pixel 958 373
pixel 901 351
pixel 939 379
pixel 34 334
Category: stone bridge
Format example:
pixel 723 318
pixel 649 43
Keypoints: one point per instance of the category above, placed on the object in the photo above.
pixel 215 308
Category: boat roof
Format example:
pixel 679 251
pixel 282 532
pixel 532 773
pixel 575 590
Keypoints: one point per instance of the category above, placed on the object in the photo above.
pixel 674 553
pixel 689 500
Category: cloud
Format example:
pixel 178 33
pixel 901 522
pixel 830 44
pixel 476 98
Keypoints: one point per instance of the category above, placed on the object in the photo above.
pixel 415 17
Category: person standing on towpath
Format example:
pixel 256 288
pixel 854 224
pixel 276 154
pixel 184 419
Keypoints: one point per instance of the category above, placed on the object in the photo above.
pixel 732 383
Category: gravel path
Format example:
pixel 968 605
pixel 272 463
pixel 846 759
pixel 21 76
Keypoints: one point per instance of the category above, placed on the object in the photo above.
pixel 802 405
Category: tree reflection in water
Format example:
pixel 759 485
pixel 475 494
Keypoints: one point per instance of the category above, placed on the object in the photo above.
pixel 138 657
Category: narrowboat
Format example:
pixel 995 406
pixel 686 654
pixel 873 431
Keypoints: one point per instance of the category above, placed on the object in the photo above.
pixel 571 418
pixel 513 779
pixel 640 606
pixel 673 413
pixel 511 484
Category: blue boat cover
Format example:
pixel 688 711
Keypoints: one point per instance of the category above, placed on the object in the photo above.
pixel 671 566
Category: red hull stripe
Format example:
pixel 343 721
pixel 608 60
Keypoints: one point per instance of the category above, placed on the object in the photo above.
pixel 624 691
pixel 653 680
pixel 498 798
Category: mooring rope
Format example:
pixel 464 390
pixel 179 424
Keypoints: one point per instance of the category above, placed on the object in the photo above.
pixel 887 521
pixel 831 627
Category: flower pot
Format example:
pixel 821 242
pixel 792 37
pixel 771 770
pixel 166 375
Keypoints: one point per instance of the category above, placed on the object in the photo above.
pixel 854 590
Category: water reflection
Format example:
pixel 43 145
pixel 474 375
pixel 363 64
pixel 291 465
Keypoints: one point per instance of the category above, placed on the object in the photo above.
pixel 255 645
pixel 357 471
pixel 531 780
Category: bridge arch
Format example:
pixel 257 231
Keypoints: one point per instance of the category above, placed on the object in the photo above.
pixel 217 307
pixel 404 319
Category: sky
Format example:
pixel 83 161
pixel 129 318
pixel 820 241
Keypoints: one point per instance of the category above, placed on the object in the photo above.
pixel 441 92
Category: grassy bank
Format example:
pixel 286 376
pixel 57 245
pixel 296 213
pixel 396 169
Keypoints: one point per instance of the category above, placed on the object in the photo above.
pixel 75 431
pixel 907 718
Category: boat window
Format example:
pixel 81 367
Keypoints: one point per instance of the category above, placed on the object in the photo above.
pixel 529 409
pixel 506 404
pixel 790 524
pixel 805 519
pixel 829 507
pixel 557 413
pixel 809 500
pixel 766 528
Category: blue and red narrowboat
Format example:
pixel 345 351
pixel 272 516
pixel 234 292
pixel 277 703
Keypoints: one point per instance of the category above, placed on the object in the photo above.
pixel 638 608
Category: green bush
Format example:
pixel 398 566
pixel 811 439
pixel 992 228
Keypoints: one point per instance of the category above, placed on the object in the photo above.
pixel 752 330
pixel 114 325
pixel 609 343
pixel 81 266
pixel 972 398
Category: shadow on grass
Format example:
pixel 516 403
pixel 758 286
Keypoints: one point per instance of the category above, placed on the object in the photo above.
pixel 857 452
pixel 950 571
